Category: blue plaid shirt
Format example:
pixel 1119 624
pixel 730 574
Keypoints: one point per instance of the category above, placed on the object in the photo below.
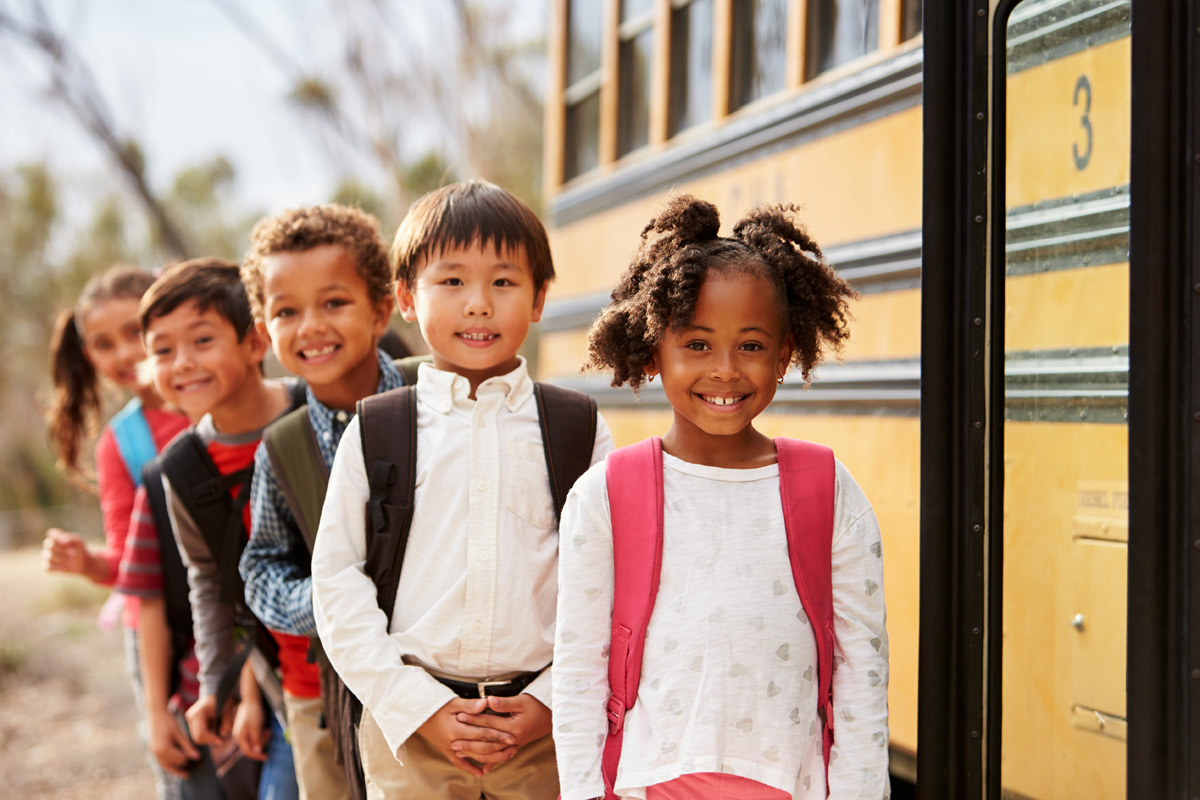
pixel 275 563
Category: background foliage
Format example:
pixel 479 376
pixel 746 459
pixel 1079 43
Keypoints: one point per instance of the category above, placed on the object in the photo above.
pixel 390 110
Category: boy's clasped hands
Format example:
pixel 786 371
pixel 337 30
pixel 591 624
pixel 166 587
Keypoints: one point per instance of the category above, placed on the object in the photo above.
pixel 478 734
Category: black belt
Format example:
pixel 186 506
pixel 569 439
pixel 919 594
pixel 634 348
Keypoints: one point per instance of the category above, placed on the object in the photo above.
pixel 476 689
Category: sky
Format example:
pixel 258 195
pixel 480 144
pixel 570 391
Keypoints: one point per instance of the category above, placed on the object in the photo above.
pixel 185 80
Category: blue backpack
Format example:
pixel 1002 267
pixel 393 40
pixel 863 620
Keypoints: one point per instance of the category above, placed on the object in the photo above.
pixel 134 440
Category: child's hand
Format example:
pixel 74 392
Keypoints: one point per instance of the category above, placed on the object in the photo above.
pixel 169 744
pixel 471 748
pixel 63 551
pixel 249 729
pixel 525 718
pixel 204 724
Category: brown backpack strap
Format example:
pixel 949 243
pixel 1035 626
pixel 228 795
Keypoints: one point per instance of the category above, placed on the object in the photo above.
pixel 300 469
pixel 388 427
pixel 568 420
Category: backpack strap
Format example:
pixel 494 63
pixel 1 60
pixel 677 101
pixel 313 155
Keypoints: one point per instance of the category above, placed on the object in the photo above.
pixel 806 485
pixel 807 477
pixel 637 529
pixel 296 458
pixel 177 607
pixel 134 440
pixel 390 457
pixel 568 421
pixel 205 493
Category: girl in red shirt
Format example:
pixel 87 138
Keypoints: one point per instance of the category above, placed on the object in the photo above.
pixel 101 338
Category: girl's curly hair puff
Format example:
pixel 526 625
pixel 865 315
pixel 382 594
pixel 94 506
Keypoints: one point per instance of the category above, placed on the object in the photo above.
pixel 680 247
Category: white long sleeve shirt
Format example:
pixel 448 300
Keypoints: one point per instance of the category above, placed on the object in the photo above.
pixel 728 678
pixel 477 592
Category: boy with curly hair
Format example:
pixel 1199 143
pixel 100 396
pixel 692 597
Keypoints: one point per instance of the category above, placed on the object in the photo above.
pixel 320 288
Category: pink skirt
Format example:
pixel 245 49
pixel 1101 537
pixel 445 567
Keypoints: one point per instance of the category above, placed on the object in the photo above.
pixel 714 786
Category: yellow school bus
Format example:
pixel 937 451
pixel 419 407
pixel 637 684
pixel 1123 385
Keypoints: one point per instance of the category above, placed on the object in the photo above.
pixel 819 103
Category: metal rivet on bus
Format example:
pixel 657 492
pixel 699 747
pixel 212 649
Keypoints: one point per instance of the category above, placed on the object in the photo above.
pixel 974 734
pixel 975 631
pixel 977 527
pixel 979 115
pixel 1083 414
pixel 978 321
pixel 978 425
pixel 981 12
pixel 979 218
pixel 1074 351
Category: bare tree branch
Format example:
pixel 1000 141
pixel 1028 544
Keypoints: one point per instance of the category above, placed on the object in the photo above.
pixel 73 85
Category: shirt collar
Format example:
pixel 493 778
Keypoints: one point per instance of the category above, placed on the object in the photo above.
pixel 441 389
pixel 323 417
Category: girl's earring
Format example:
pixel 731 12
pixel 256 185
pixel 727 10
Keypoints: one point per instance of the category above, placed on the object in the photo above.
pixel 781 379
pixel 650 378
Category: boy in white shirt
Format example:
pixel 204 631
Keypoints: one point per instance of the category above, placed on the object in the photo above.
pixel 475 601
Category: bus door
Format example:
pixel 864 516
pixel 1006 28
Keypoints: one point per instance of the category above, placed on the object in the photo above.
pixel 1064 488
pixel 1060 559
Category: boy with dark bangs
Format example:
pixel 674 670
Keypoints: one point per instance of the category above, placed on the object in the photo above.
pixel 206 358
pixel 320 289
pixel 434 585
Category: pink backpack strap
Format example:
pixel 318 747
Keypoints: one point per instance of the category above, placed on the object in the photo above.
pixel 806 483
pixel 637 527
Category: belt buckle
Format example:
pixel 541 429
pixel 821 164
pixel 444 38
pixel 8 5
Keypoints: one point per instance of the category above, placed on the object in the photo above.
pixel 483 686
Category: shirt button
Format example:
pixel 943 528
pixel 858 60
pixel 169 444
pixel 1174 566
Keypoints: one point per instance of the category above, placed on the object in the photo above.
pixel 478 628
pixel 342 416
pixel 482 486
pixel 482 423
pixel 483 556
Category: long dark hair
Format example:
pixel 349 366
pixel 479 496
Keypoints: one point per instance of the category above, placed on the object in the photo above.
pixel 75 408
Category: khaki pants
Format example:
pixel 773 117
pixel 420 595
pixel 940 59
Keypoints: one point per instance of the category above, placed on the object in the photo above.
pixel 318 775
pixel 529 775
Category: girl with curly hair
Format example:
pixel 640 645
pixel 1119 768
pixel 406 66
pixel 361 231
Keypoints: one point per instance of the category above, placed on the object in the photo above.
pixel 730 689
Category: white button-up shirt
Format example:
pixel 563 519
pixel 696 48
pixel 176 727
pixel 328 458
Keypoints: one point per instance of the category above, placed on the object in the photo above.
pixel 478 589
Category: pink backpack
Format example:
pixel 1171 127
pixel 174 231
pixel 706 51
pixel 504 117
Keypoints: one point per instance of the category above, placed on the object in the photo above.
pixel 806 484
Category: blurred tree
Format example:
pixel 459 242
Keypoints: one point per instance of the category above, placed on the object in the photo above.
pixel 353 192
pixel 422 93
pixel 73 86
pixel 204 196
pixel 47 256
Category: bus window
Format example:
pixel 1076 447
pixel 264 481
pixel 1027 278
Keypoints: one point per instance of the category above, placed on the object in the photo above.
pixel 585 28
pixel 759 59
pixel 637 54
pixel 840 31
pixel 910 20
pixel 691 64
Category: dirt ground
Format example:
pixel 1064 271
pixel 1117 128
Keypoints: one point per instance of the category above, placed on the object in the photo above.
pixel 68 723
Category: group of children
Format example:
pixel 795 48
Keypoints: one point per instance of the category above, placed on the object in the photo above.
pixel 391 587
